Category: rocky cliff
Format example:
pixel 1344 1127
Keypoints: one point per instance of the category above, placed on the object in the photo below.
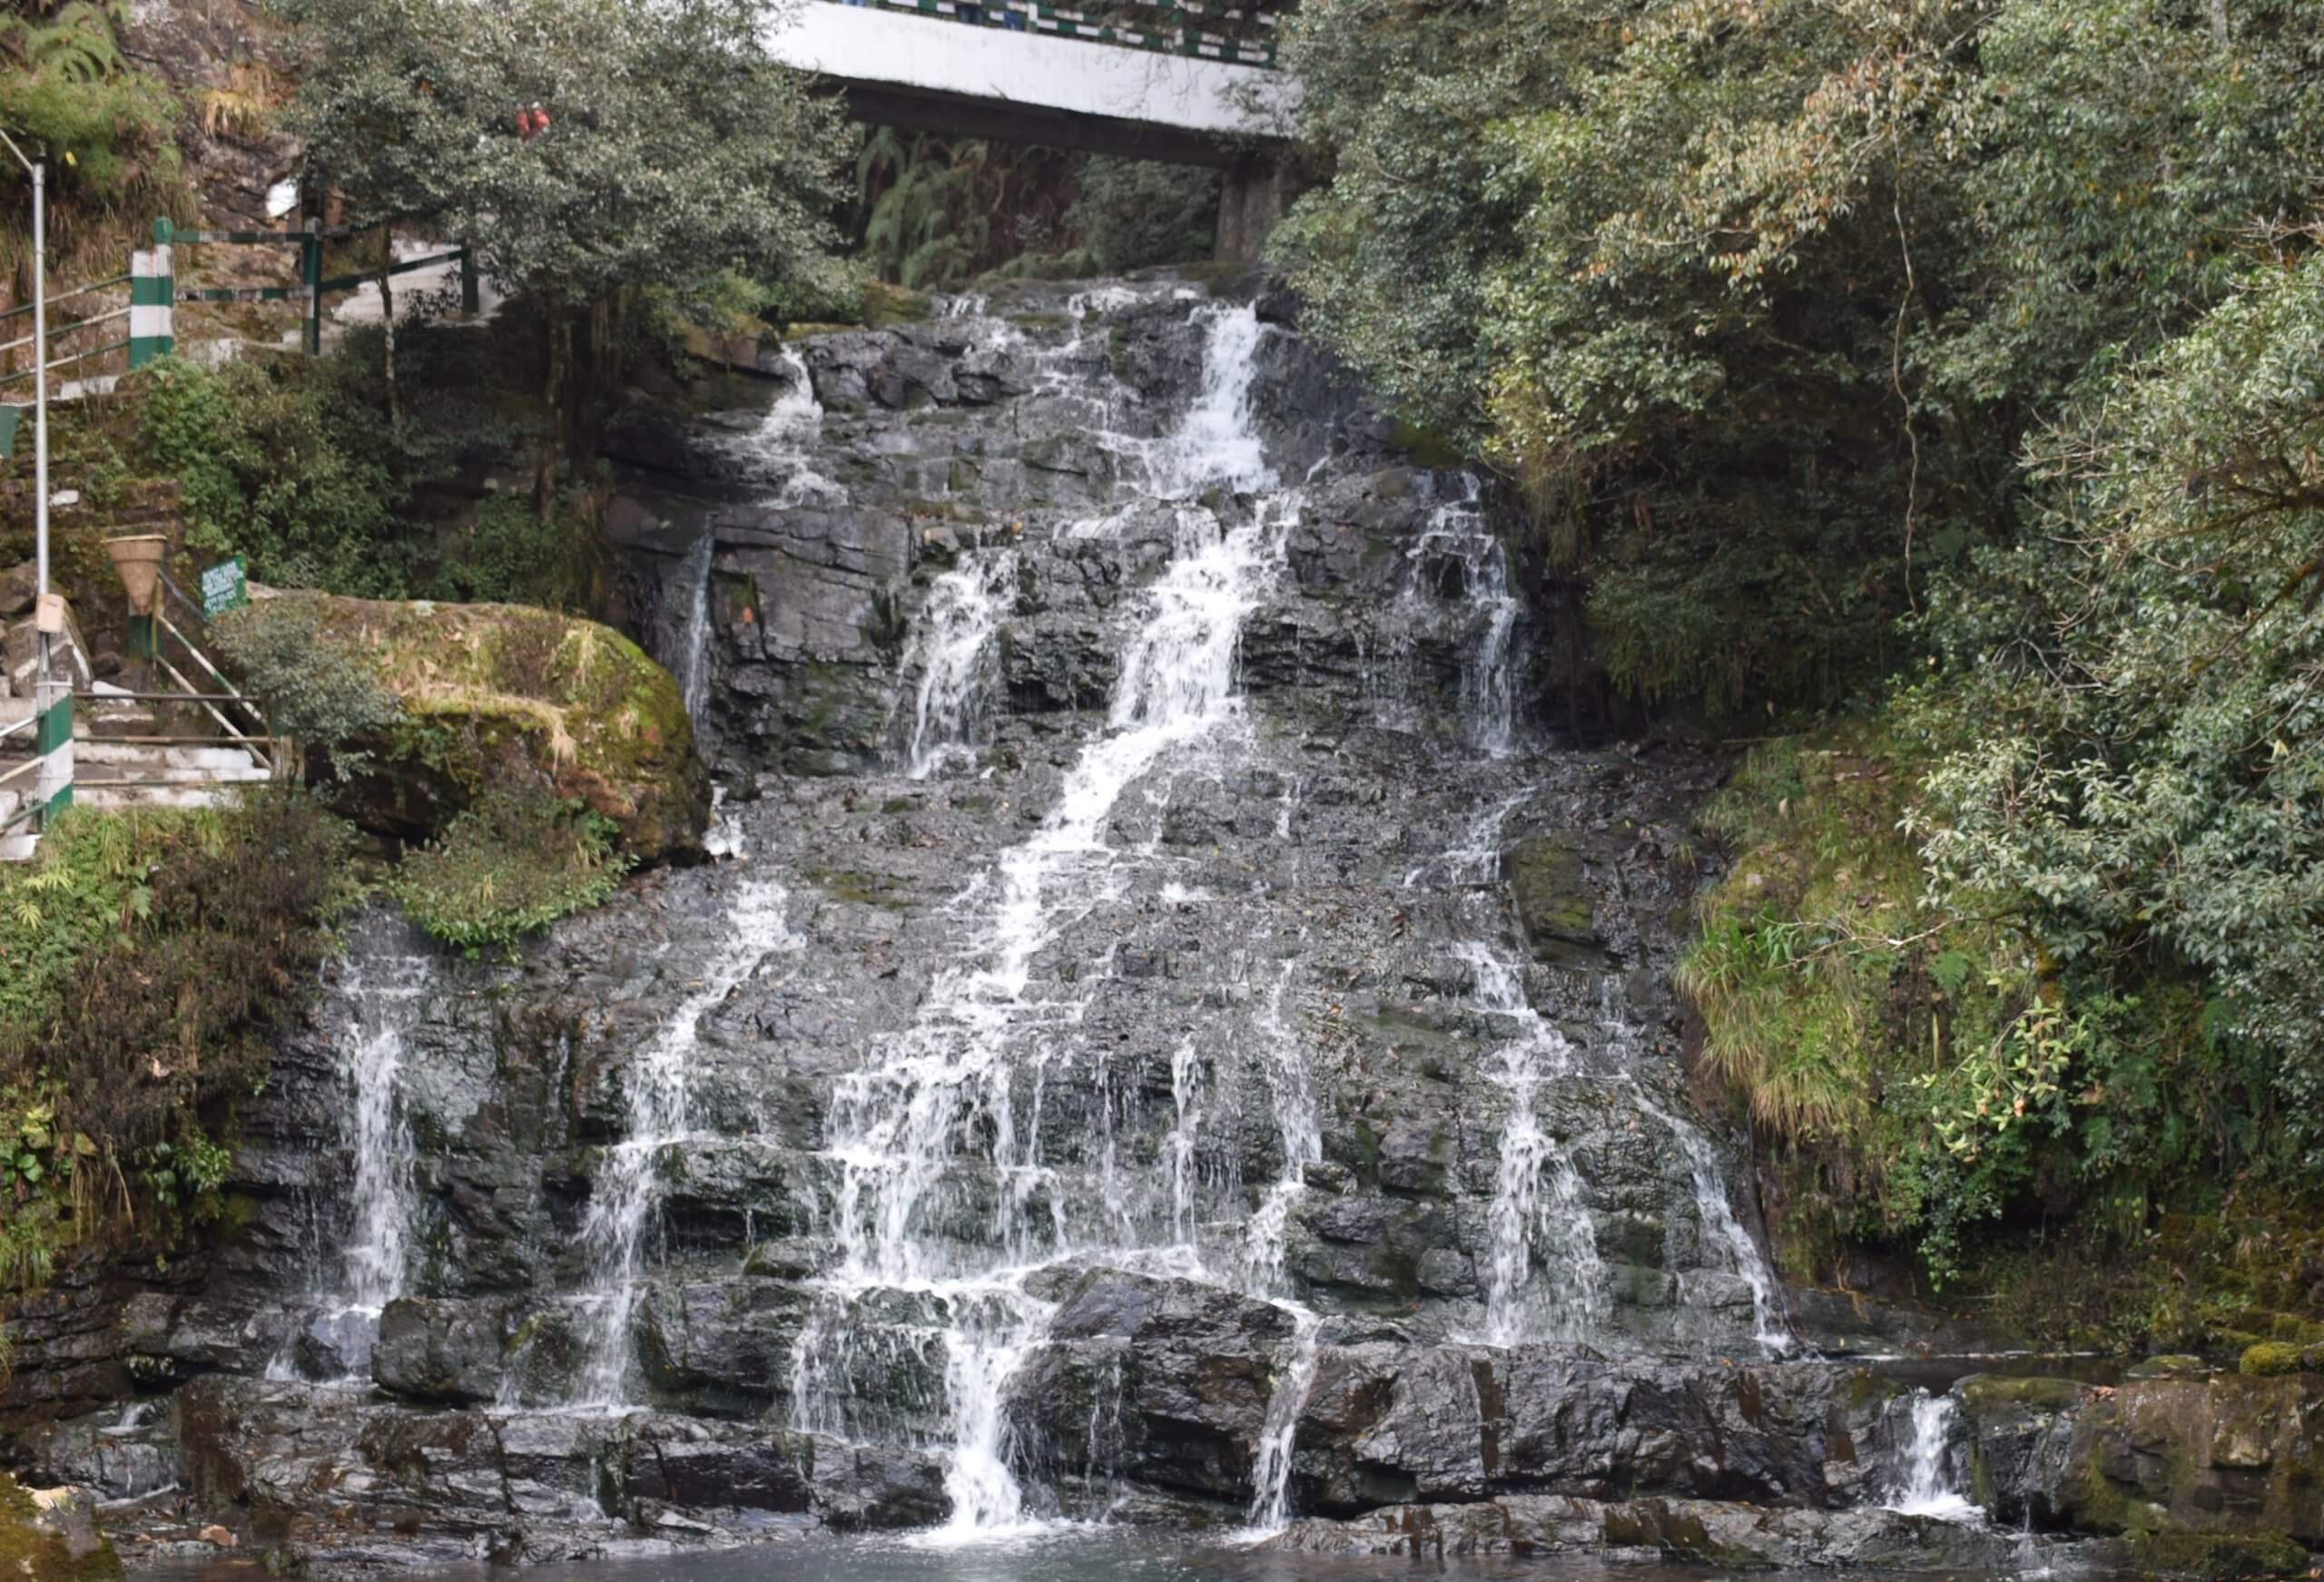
pixel 1173 1036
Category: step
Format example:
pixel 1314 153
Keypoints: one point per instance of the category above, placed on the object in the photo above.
pixel 98 757
pixel 193 793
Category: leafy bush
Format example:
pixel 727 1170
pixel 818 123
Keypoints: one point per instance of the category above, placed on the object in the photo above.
pixel 1131 213
pixel 510 557
pixel 284 462
pixel 1758 302
pixel 315 691
pixel 1928 1073
pixel 2148 774
pixel 154 958
pixel 513 863
pixel 105 126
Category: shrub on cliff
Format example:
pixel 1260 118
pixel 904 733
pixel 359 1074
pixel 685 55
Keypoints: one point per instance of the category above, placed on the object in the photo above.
pixel 413 711
pixel 150 958
pixel 514 862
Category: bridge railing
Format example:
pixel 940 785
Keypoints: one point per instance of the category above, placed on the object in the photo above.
pixel 1215 30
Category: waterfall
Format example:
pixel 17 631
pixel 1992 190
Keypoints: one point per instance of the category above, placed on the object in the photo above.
pixel 940 1099
pixel 1925 1485
pixel 1185 1131
pixel 1460 562
pixel 1536 1194
pixel 777 452
pixel 385 990
pixel 1717 1216
pixel 694 654
pixel 655 1087
pixel 1271 1478
pixel 953 650
pixel 1299 1127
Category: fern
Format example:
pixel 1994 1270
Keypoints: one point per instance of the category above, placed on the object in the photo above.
pixel 77 45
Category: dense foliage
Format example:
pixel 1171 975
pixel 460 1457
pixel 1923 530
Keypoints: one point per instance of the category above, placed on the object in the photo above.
pixel 151 957
pixel 515 862
pixel 677 148
pixel 71 97
pixel 1966 361
pixel 1757 301
pixel 284 462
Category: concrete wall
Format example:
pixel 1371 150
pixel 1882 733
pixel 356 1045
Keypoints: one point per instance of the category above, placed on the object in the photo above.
pixel 931 74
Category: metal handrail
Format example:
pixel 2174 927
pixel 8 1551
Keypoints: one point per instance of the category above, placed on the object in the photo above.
pixel 201 659
pixel 184 697
pixel 67 295
pixel 26 724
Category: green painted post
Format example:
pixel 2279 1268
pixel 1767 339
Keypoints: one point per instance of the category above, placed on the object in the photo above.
pixel 471 287
pixel 52 786
pixel 311 271
pixel 153 300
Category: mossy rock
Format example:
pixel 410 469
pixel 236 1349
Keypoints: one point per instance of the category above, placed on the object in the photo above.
pixel 2174 1365
pixel 886 304
pixel 2269 1358
pixel 52 1535
pixel 1551 887
pixel 2210 1555
pixel 505 695
pixel 1989 1393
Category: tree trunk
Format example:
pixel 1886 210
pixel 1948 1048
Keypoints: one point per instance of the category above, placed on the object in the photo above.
pixel 544 479
pixel 2218 23
pixel 388 330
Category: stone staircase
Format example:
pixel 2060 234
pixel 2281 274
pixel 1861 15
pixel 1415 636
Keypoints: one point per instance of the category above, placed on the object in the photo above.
pixel 171 747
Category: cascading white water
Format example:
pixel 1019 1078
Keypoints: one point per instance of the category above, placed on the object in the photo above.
pixel 694 655
pixel 386 992
pixel 777 452
pixel 1924 1486
pixel 1299 1127
pixel 952 652
pixel 1717 1215
pixel 940 1100
pixel 1271 1476
pixel 1458 561
pixel 1460 544
pixel 1536 1194
pixel 1185 1134
pixel 379 1250
pixel 656 1091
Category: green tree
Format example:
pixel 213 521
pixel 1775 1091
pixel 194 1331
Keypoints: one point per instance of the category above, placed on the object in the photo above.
pixel 678 149
pixel 1757 301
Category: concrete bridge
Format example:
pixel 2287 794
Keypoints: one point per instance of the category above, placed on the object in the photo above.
pixel 1187 82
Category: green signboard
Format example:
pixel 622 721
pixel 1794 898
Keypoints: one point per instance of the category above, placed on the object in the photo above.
pixel 224 588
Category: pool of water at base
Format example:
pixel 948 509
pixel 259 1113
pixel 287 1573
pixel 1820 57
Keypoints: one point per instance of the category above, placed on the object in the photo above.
pixel 1086 1555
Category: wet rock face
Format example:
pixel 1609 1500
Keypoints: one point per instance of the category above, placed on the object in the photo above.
pixel 1241 1042
pixel 2228 1455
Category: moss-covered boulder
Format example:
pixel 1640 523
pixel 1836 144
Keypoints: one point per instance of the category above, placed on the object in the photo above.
pixel 51 1535
pixel 2230 1456
pixel 1550 884
pixel 505 696
pixel 2270 1358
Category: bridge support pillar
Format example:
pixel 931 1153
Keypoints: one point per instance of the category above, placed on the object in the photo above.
pixel 1253 196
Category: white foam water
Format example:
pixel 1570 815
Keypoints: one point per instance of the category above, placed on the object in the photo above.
pixel 1537 1196
pixel 1925 1485
pixel 953 652
pixel 386 990
pixel 657 1087
pixel 943 1098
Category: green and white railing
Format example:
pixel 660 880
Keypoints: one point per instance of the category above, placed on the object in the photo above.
pixel 1243 34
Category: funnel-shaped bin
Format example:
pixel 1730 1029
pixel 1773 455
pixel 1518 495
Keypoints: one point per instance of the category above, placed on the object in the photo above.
pixel 138 559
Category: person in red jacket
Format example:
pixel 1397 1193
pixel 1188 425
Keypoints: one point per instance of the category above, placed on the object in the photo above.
pixel 531 122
